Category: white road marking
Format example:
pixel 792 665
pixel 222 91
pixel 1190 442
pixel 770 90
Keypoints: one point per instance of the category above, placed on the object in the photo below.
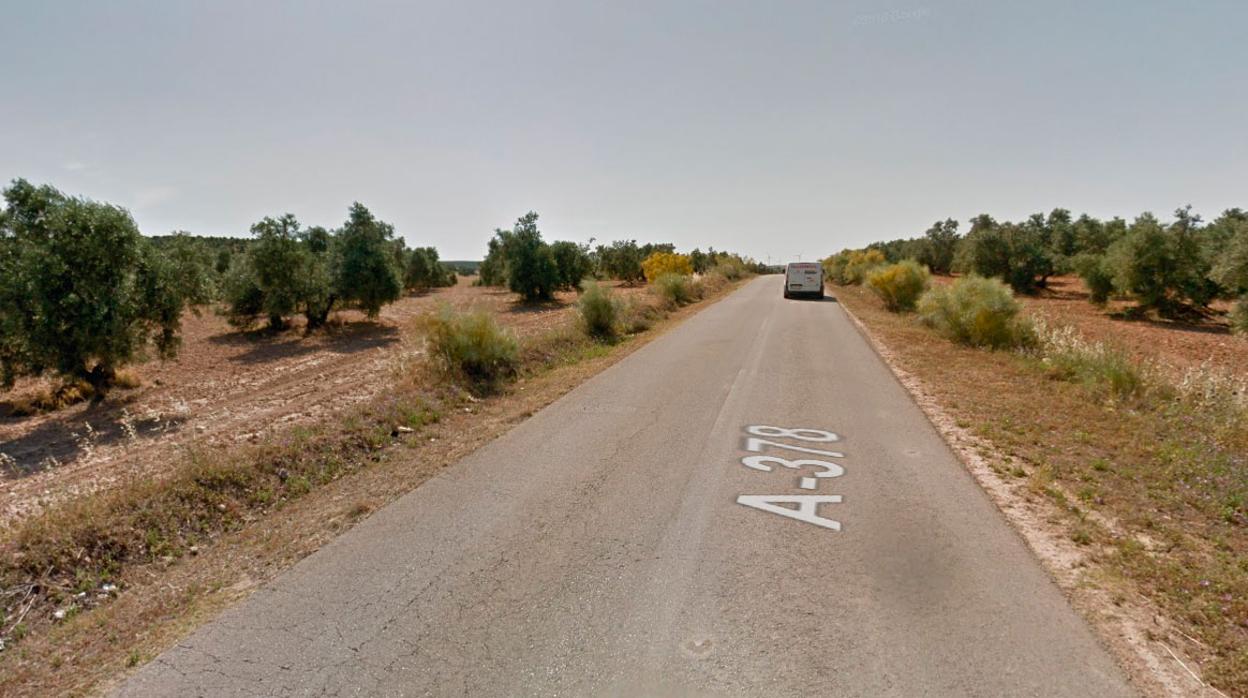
pixel 787 433
pixel 807 504
pixel 756 445
pixel 807 509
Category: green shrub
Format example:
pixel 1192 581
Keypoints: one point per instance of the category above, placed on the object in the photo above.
pixel 598 312
pixel 850 267
pixel 474 347
pixel 674 289
pixel 1096 276
pixel 834 266
pixel 730 270
pixel 899 285
pixel 977 312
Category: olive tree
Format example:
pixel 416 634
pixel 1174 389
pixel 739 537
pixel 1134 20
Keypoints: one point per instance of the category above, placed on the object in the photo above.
pixel 1144 266
pixel 939 244
pixel 1231 270
pixel 286 271
pixel 622 260
pixel 422 270
pixel 366 274
pixel 278 261
pixel 1017 253
pixel 81 291
pixel 493 270
pixel 572 262
pixel 531 269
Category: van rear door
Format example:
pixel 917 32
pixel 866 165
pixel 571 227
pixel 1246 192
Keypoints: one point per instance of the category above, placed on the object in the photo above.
pixel 804 278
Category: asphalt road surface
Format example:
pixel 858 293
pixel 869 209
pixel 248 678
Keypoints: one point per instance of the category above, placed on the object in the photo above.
pixel 631 539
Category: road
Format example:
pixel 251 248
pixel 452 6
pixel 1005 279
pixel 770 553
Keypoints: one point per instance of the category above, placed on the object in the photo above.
pixel 602 548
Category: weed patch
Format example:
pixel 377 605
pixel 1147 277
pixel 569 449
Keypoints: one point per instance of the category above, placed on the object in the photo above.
pixel 473 347
pixel 598 312
pixel 1107 372
pixel 674 290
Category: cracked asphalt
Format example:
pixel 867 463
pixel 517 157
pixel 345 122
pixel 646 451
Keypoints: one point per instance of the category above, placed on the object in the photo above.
pixel 598 549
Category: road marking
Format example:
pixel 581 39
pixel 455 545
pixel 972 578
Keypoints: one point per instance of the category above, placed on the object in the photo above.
pixel 760 463
pixel 756 445
pixel 807 509
pixel 786 433
pixel 807 504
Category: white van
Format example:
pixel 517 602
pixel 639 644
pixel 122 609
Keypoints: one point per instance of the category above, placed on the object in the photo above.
pixel 803 279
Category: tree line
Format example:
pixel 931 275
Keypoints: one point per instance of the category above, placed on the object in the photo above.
pixel 82 292
pixel 1175 269
pixel 290 270
pixel 523 262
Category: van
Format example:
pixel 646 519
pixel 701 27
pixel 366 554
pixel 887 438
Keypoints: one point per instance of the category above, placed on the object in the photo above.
pixel 803 280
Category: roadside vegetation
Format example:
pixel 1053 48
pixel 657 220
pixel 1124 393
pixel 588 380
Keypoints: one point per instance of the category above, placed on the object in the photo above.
pixel 599 312
pixel 522 261
pixel 1146 461
pixel 1176 270
pixel 83 294
pixel 77 555
pixel 899 285
pixel 977 312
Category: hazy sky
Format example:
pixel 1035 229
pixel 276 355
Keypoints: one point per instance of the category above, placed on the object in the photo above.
pixel 771 128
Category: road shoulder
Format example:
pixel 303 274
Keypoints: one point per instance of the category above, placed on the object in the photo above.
pixel 1127 627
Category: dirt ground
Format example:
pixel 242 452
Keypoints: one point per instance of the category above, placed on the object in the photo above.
pixel 226 386
pixel 1174 343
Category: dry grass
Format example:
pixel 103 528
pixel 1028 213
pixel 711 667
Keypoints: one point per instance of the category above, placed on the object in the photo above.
pixel 51 398
pixel 87 582
pixel 1150 474
pixel 59 394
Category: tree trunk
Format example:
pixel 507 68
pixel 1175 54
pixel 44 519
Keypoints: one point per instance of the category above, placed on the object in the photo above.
pixel 100 378
pixel 317 318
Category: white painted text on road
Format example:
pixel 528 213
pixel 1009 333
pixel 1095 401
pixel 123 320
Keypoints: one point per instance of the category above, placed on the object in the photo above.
pixel 807 508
